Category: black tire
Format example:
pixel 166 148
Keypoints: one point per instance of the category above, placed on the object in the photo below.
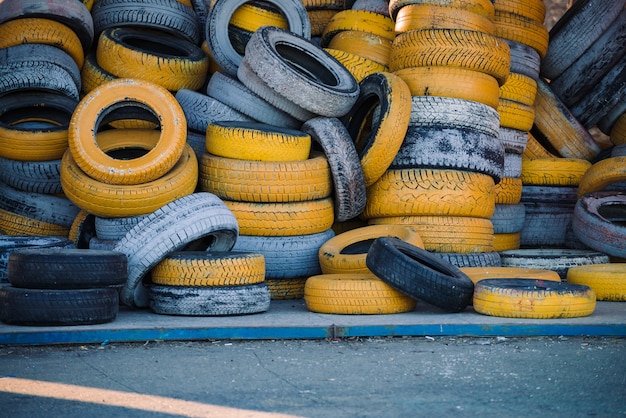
pixel 31 55
pixel 584 73
pixel 46 208
pixel 170 16
pixel 508 219
pixel 490 259
pixel 545 224
pixel 598 221
pixel 73 14
pixel 449 148
pixel 579 27
pixel 32 176
pixel 564 195
pixel 200 110
pixel 555 259
pixel 53 268
pixel 8 244
pixel 199 221
pixel 235 94
pixel 287 257
pixel 209 301
pixel 51 307
pixel 46 77
pixel 345 166
pixel 525 60
pixel 218 18
pixel 317 83
pixel 420 274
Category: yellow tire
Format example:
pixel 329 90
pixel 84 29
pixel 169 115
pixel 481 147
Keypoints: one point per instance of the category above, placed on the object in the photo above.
pixel 477 274
pixel 256 141
pixel 359 20
pixel 506 242
pixel 553 171
pixel 360 67
pixel 354 294
pixel 346 252
pixel 471 50
pixel 532 9
pixel 91 157
pixel 535 150
pixel 118 201
pixel 608 281
pixel 523 30
pixel 515 115
pixel 266 181
pixel 458 83
pixel 364 44
pixel 618 131
pixel 202 268
pixel 448 234
pixel 286 289
pixel 535 299
pixel 250 17
pixel 42 31
pixel 431 16
pixel 508 191
pixel 283 219
pixel 481 7
pixel 16 225
pixel 519 88
pixel 319 19
pixel 431 192
pixel 602 174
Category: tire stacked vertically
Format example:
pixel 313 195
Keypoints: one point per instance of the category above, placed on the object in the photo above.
pixel 41 53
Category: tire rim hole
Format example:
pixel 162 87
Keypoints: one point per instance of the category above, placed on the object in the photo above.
pixel 301 62
pixel 360 247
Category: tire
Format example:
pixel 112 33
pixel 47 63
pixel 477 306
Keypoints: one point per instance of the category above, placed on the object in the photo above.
pixel 266 181
pixel 534 9
pixel 113 229
pixel 524 60
pixel 320 84
pixel 8 244
pixel 506 242
pixel 209 269
pixel 512 165
pixel 72 14
pixel 200 110
pixel 257 141
pixel 365 44
pixel 602 174
pixel 354 294
pixel 287 289
pixel 346 252
pixel 235 94
pixel 283 219
pixel 481 7
pixel 66 268
pixel 32 55
pixel 470 50
pixel 508 219
pixel 220 14
pixel 42 31
pixel 491 259
pixel 92 75
pixel 598 222
pixel 580 26
pixel 287 257
pixel 419 274
pixel 431 192
pixel 584 73
pixel 209 301
pixel 15 224
pixel 118 201
pixel 456 149
pixel 153 56
pixel 513 140
pixel 52 307
pixel 360 67
pixel 477 274
pixel 377 147
pixel 347 173
pixel 545 224
pixel 556 259
pixel 432 16
pixel 519 88
pixel 450 234
pixel 358 20
pixel 446 112
pixel 47 77
pixel 536 299
pixel 554 172
pixel 452 82
pixel 169 16
pixel 52 209
pixel 522 29
pixel 514 115
pixel 606 280
pixel 32 176
pixel 555 124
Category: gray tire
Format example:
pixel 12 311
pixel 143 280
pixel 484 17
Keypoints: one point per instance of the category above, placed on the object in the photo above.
pixel 45 76
pixel 525 60
pixel 209 301
pixel 199 221
pixel 115 228
pixel 32 176
pixel 216 28
pixel 508 219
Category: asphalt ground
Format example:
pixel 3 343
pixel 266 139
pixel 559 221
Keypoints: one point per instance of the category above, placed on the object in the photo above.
pixel 333 377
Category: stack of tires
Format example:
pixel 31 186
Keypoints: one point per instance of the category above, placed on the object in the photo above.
pixel 62 286
pixel 279 192
pixel 451 154
pixel 42 49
